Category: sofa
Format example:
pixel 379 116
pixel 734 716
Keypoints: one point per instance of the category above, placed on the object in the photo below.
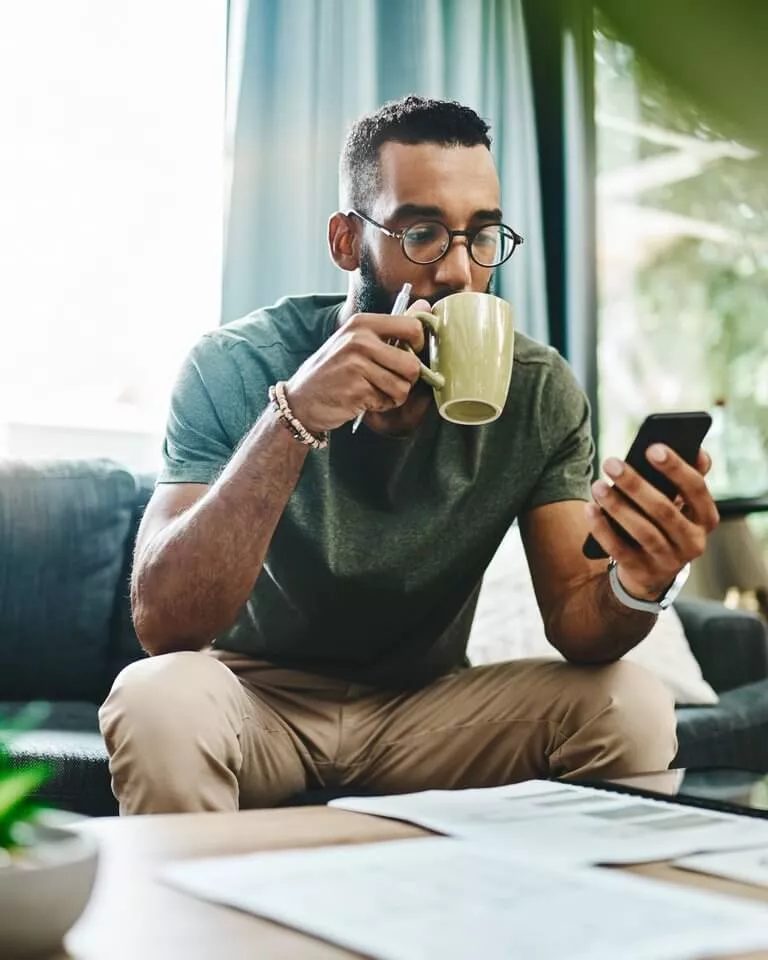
pixel 67 529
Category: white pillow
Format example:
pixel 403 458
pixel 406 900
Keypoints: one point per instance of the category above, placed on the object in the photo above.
pixel 508 626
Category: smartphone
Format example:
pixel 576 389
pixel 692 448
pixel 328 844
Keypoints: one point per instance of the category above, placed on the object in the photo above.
pixel 683 433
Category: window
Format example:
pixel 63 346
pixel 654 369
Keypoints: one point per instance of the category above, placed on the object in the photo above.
pixel 682 271
pixel 112 119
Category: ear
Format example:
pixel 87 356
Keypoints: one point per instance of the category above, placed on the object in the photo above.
pixel 344 241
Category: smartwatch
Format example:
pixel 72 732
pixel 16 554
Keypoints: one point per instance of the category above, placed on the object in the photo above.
pixel 647 606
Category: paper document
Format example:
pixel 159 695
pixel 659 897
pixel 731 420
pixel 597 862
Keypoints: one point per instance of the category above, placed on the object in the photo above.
pixel 568 823
pixel 436 897
pixel 746 866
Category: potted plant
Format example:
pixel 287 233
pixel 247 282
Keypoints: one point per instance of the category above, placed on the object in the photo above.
pixel 47 869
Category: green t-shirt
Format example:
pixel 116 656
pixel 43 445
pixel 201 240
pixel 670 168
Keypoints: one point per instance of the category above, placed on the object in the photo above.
pixel 374 567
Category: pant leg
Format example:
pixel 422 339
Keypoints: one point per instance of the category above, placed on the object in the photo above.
pixel 185 734
pixel 502 723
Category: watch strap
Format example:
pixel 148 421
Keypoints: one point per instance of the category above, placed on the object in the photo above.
pixel 646 606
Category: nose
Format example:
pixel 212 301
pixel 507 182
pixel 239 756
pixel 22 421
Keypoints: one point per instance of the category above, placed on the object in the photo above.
pixel 455 269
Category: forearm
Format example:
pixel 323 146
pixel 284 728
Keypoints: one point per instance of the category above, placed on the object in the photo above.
pixel 592 626
pixel 193 577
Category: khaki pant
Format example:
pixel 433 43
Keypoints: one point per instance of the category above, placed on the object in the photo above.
pixel 195 731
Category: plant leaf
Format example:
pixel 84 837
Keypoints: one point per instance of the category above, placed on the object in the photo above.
pixel 17 785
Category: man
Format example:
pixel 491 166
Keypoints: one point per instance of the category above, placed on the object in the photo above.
pixel 307 609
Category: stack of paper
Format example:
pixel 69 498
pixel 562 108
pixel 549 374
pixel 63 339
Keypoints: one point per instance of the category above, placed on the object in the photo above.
pixel 744 866
pixel 542 819
pixel 457 900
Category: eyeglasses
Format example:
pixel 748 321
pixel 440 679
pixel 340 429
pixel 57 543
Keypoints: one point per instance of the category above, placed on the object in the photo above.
pixel 430 240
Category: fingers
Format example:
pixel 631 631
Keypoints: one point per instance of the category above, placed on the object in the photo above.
pixel 667 533
pixel 387 370
pixel 649 564
pixel 609 539
pixel 689 482
pixel 359 368
pixel 658 537
pixel 390 327
pixel 654 521
pixel 389 389
pixel 703 462
pixel 400 362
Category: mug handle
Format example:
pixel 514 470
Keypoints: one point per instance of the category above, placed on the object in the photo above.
pixel 435 380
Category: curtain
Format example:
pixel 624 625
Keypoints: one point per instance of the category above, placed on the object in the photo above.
pixel 299 72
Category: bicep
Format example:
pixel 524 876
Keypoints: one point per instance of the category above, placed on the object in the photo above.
pixel 169 501
pixel 553 536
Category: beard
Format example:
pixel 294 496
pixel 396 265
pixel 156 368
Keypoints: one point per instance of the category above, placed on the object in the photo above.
pixel 371 295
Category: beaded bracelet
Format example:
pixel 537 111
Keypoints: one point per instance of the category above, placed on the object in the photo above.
pixel 296 428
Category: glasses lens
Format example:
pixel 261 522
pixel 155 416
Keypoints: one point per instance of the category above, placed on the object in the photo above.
pixel 493 245
pixel 426 242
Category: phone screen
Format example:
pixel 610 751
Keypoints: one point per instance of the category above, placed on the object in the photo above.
pixel 683 433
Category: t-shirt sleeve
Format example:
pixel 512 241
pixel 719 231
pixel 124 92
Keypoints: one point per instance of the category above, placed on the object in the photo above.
pixel 566 439
pixel 206 418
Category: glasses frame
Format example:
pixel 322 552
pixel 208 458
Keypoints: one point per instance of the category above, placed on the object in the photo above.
pixel 400 235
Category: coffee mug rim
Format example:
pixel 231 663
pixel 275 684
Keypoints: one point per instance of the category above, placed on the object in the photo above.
pixel 471 293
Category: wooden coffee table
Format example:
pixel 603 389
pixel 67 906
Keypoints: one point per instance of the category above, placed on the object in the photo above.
pixel 132 916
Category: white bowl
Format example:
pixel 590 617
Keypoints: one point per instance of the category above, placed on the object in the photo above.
pixel 41 898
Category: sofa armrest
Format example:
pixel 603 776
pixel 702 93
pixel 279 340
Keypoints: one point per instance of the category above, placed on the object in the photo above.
pixel 731 646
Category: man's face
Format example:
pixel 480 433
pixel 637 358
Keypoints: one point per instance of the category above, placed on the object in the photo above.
pixel 457 185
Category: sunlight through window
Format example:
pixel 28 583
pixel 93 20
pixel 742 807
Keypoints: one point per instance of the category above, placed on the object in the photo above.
pixel 110 191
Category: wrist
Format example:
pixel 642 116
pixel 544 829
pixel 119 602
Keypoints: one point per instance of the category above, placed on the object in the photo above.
pixel 303 409
pixel 653 604
pixel 295 401
pixel 285 412
pixel 642 590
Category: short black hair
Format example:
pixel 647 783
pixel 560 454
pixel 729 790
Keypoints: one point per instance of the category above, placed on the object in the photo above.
pixel 409 120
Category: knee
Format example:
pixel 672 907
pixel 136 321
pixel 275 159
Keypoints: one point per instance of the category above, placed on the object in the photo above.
pixel 620 721
pixel 637 716
pixel 176 689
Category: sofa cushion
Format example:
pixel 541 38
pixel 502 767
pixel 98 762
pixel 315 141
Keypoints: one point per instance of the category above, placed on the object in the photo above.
pixel 733 733
pixel 508 626
pixel 731 646
pixel 63 530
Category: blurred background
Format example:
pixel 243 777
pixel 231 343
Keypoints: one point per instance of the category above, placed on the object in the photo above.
pixel 168 166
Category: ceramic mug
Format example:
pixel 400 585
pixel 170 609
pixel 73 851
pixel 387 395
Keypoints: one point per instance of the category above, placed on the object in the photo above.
pixel 471 348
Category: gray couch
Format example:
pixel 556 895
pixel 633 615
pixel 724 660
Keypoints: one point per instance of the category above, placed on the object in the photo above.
pixel 66 533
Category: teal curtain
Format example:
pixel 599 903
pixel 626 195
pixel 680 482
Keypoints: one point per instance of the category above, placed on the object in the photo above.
pixel 299 72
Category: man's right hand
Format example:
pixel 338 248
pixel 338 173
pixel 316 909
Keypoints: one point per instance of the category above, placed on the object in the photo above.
pixel 357 370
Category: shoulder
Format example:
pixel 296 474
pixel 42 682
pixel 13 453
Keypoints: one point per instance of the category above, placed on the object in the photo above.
pixel 545 392
pixel 292 325
pixel 544 370
pixel 541 358
pixel 227 373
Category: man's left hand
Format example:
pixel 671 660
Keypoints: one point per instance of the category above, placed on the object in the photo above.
pixel 669 533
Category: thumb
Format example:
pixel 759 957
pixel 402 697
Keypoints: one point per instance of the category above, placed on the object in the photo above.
pixel 419 305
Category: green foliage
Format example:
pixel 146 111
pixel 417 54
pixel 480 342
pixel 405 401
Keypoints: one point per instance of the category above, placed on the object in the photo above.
pixel 684 312
pixel 18 785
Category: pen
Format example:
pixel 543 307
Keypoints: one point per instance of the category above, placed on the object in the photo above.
pixel 400 304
